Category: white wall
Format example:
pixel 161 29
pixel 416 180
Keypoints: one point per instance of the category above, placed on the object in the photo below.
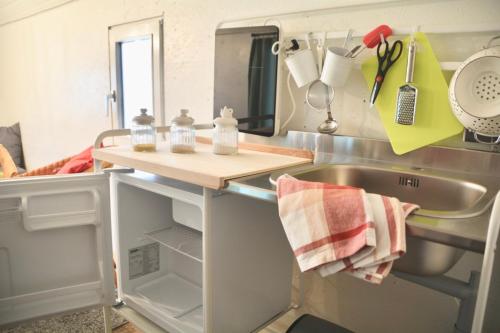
pixel 15 10
pixel 54 66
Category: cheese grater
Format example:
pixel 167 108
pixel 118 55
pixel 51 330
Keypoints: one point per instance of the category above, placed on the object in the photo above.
pixel 407 94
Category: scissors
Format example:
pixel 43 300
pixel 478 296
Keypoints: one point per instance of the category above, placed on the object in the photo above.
pixel 385 61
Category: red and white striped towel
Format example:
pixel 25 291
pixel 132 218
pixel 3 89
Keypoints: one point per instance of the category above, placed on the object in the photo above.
pixel 336 228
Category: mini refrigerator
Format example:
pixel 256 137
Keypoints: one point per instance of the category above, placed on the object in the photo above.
pixel 188 258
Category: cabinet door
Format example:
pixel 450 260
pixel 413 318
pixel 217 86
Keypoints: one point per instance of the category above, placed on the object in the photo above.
pixel 248 264
pixel 55 245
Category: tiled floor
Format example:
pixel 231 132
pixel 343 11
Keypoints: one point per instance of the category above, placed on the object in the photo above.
pixel 85 321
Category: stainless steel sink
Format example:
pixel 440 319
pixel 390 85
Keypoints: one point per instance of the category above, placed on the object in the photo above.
pixel 440 195
pixel 427 258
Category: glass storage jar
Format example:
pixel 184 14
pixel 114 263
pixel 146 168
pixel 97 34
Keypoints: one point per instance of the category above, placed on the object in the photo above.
pixel 182 134
pixel 225 133
pixel 142 132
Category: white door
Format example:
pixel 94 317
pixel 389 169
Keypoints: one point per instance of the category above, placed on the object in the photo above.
pixel 55 245
pixel 136 71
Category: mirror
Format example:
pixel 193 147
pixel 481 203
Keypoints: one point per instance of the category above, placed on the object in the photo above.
pixel 246 76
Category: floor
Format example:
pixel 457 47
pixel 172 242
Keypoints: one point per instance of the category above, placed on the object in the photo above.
pixel 90 321
pixel 87 321
pixel 279 326
pixel 127 328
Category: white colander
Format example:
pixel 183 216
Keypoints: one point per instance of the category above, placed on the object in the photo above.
pixel 475 93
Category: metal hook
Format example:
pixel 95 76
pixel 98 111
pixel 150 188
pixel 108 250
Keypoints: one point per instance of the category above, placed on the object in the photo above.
pixel 322 40
pixel 308 42
pixel 269 19
pixel 275 48
pixel 491 41
pixel 348 38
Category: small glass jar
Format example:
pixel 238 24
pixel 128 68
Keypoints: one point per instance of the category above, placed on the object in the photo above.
pixel 143 134
pixel 225 134
pixel 182 133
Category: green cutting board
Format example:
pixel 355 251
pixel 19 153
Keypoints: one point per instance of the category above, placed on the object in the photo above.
pixel 434 120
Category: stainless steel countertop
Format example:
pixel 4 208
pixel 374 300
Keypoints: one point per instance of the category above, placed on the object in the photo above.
pixel 469 233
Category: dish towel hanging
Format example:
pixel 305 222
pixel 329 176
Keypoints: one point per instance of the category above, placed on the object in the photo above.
pixel 333 228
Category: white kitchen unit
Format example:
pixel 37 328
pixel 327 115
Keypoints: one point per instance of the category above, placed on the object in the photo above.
pixel 189 259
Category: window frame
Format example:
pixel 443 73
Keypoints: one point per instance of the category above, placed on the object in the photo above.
pixel 126 32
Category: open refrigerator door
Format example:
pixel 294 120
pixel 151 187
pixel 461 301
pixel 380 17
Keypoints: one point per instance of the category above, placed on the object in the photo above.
pixel 55 246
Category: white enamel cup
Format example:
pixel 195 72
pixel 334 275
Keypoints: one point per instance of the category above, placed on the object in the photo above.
pixel 336 68
pixel 302 66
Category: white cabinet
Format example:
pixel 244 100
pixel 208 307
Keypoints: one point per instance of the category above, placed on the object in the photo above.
pixel 188 258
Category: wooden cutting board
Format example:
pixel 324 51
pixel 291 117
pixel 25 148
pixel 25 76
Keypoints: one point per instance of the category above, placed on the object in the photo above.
pixel 434 120
pixel 202 167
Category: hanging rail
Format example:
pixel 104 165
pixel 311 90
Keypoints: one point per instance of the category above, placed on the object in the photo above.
pixel 450 29
pixel 445 65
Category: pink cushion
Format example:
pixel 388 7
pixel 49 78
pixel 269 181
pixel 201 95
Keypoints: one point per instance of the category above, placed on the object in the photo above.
pixel 78 163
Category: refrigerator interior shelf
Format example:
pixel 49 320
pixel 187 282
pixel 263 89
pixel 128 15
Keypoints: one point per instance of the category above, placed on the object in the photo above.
pixel 181 239
pixel 194 317
pixel 175 297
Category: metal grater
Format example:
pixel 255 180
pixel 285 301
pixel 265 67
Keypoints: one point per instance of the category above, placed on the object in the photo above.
pixel 407 94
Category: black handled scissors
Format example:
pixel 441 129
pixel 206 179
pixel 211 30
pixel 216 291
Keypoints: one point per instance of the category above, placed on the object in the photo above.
pixel 385 61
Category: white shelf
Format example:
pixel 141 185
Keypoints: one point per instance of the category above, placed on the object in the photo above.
pixel 181 239
pixel 175 296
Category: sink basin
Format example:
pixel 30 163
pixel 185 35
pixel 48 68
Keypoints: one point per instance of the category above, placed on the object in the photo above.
pixel 440 195
pixel 426 258
pixel 437 195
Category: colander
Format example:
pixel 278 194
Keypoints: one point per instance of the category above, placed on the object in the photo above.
pixel 474 93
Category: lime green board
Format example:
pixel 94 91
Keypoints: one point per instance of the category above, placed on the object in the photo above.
pixel 434 120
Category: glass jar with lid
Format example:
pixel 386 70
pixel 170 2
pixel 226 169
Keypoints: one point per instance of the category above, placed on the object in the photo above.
pixel 143 133
pixel 182 133
pixel 225 133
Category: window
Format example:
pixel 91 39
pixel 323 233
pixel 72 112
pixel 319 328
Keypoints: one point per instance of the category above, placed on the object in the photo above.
pixel 136 68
